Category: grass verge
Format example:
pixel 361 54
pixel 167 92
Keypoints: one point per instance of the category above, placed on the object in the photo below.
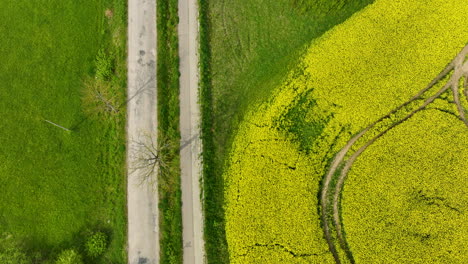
pixel 170 203
pixel 214 232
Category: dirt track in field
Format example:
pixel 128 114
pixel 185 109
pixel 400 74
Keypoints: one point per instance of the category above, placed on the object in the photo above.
pixel 460 70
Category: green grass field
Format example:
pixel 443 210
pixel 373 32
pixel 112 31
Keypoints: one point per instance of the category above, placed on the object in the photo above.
pixel 247 49
pixel 59 186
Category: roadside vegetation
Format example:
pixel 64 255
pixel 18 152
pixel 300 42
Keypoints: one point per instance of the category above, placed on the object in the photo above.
pixel 60 188
pixel 247 47
pixel 170 203
pixel 407 187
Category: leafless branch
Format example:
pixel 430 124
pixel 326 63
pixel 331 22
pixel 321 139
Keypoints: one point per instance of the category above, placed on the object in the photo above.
pixel 148 157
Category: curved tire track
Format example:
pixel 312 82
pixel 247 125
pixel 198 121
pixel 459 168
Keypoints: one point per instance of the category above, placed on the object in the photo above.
pixel 460 70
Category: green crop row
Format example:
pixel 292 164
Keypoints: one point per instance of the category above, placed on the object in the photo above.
pixel 320 7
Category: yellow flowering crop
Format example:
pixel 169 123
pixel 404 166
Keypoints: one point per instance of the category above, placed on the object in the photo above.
pixel 271 199
pixel 406 195
pixel 355 74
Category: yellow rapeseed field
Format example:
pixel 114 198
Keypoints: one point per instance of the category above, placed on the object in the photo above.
pixel 353 75
pixel 405 199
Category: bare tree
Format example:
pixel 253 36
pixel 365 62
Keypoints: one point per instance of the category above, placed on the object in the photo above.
pixel 149 156
pixel 105 102
pixel 99 98
pixel 152 158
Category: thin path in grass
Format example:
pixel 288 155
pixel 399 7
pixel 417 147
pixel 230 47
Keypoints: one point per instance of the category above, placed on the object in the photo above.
pixel 460 70
pixel 192 217
pixel 142 196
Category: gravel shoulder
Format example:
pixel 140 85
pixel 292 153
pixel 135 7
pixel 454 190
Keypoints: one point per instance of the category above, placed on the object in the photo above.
pixel 142 196
pixel 192 218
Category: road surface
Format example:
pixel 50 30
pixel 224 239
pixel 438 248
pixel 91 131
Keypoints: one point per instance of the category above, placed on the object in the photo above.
pixel 192 218
pixel 142 197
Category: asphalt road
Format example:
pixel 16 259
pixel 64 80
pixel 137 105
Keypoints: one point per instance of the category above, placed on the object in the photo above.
pixel 192 218
pixel 142 197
